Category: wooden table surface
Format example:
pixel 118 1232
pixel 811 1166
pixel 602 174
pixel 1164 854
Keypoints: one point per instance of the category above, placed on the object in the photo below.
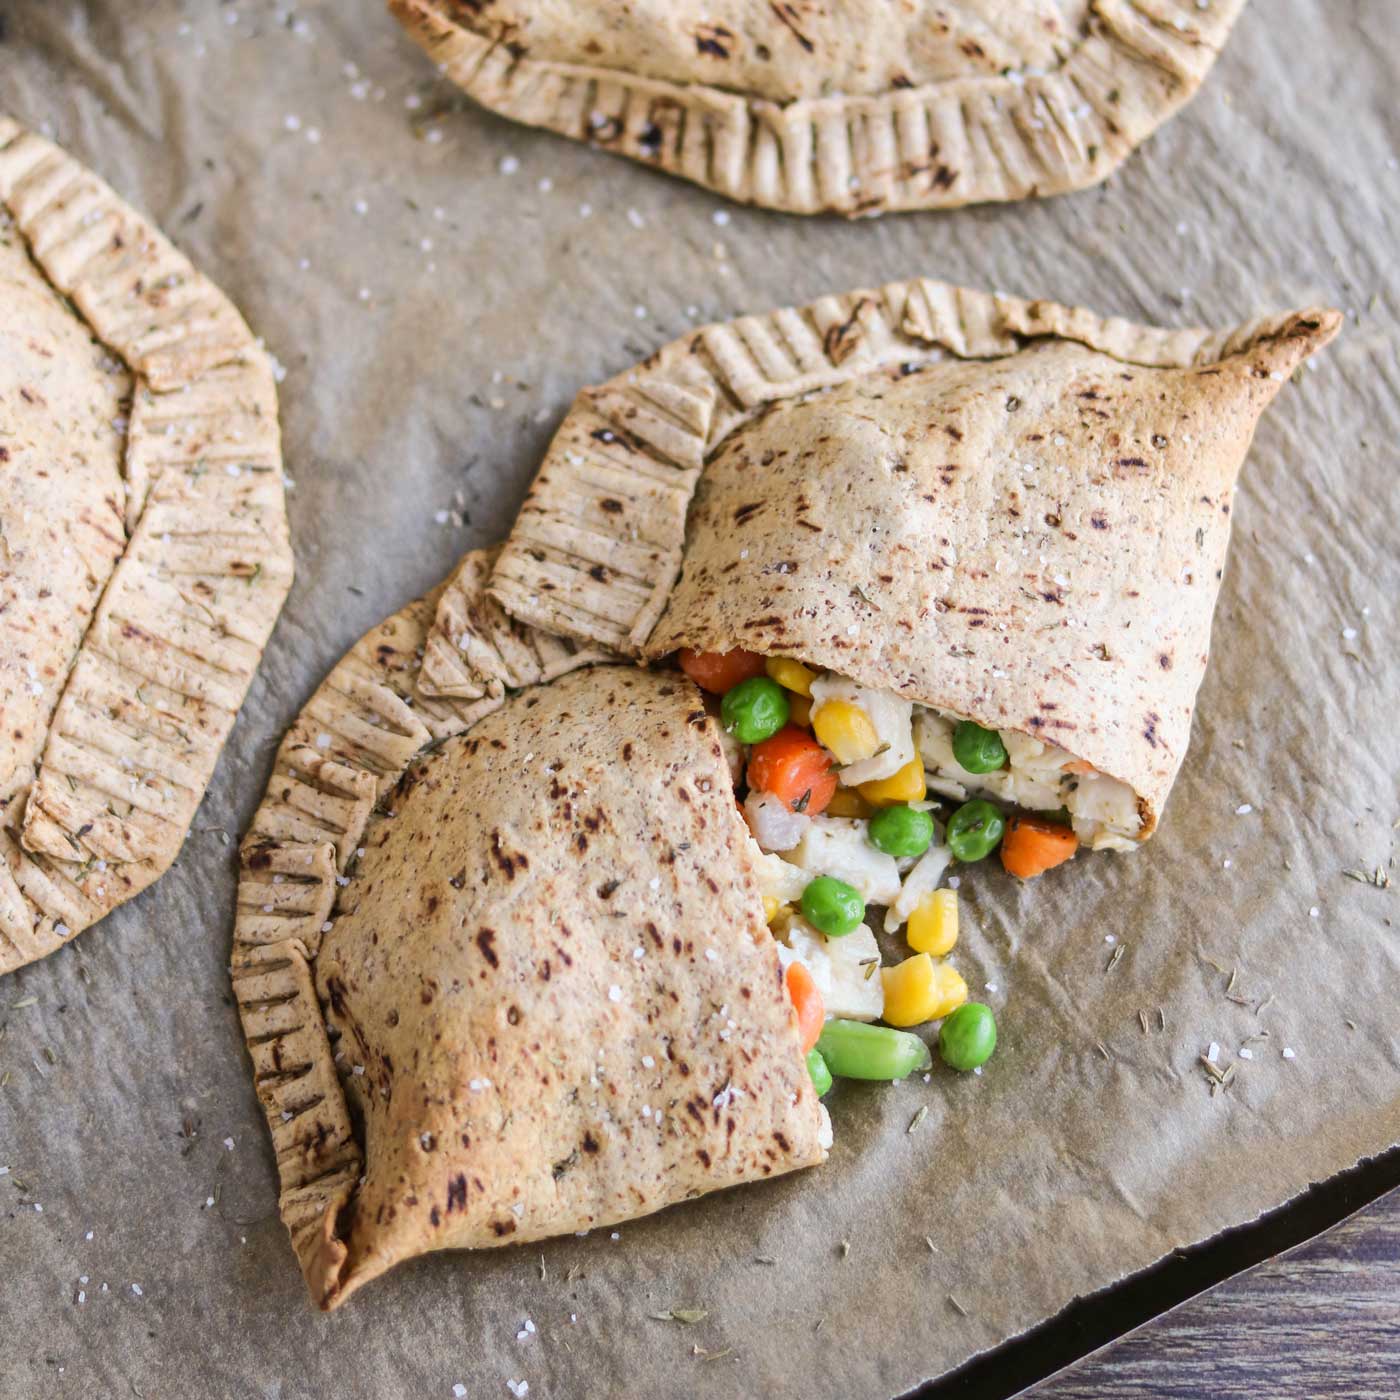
pixel 1322 1320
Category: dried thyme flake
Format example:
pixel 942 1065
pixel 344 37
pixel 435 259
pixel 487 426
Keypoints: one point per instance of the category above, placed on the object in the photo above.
pixel 702 1355
pixel 1116 957
pixel 1379 878
pixel 917 1118
pixel 763 1259
pixel 544 1273
pixel 24 1001
pixel 957 1306
pixel 1219 967
pixel 1234 977
pixel 845 1248
pixel 1142 1020
pixel 1213 1069
pixel 689 1316
pixel 869 964
pixel 932 1248
pixel 1102 1049
pixel 1268 1000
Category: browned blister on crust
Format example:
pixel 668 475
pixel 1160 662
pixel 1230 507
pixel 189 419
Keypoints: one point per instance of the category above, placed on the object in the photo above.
pixel 844 106
pixel 146 554
pixel 552 998
pixel 1014 511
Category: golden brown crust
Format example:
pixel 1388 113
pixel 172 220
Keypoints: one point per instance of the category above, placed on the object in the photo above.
pixel 159 671
pixel 1012 510
pixel 838 108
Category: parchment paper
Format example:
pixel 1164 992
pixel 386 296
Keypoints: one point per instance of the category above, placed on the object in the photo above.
pixel 433 336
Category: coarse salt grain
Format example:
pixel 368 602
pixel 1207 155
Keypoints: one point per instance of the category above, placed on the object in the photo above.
pixel 508 165
pixel 1314 912
pixel 1213 1052
pixel 1244 809
pixel 520 1389
pixel 1246 1053
pixel 1288 1052
pixel 228 1144
pixel 649 1061
pixel 459 1390
pixel 635 219
pixel 136 1289
pixel 614 993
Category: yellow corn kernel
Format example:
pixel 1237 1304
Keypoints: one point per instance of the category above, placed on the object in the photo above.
pixel 847 802
pixel 774 908
pixel 909 990
pixel 919 990
pixel 906 785
pixel 846 730
pixel 800 710
pixel 790 674
pixel 933 926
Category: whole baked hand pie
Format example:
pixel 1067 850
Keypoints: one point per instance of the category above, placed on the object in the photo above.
pixel 144 556
pixel 839 105
pixel 975 541
pixel 500 951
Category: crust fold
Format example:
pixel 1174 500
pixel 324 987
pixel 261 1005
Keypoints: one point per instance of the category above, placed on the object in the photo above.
pixel 181 626
pixel 963 140
pixel 365 724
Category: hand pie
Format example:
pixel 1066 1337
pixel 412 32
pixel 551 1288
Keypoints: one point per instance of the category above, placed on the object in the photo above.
pixel 500 953
pixel 844 106
pixel 145 543
pixel 976 540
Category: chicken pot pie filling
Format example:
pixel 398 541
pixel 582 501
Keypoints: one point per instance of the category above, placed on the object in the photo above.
pixel 860 799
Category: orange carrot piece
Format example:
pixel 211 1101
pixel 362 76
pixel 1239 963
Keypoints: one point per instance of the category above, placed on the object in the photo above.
pixel 795 769
pixel 807 1002
pixel 1032 846
pixel 718 671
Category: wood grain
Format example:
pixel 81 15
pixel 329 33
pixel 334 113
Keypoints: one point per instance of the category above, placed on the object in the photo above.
pixel 1320 1320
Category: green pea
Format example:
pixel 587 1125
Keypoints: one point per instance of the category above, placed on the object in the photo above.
pixel 968 1037
pixel 755 709
pixel 854 1050
pixel 832 906
pixel 821 1075
pixel 976 749
pixel 900 831
pixel 975 830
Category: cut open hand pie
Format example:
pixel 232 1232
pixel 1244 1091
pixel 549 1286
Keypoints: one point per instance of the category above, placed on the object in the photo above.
pixel 500 952
pixel 144 556
pixel 839 105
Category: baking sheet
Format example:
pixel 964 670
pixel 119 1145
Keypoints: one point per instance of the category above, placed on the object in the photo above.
pixel 437 283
